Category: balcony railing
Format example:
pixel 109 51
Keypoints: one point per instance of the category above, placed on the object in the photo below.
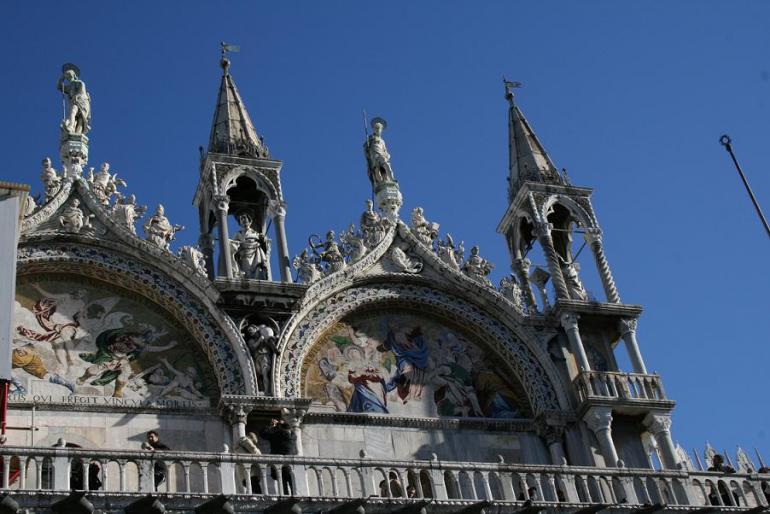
pixel 634 387
pixel 32 470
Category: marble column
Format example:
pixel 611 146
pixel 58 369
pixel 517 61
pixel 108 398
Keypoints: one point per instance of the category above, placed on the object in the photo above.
pixel 553 436
pixel 569 321
pixel 278 210
pixel 594 238
pixel 521 268
pixel 206 242
pixel 628 333
pixel 237 416
pixel 599 420
pixel 543 232
pixel 223 206
pixel 659 425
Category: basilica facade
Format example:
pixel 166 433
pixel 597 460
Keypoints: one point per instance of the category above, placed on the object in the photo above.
pixel 377 370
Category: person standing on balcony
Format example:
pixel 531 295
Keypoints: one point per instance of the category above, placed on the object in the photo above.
pixel 153 444
pixel 283 441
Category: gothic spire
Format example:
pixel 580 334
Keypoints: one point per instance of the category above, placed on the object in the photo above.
pixel 232 131
pixel 528 160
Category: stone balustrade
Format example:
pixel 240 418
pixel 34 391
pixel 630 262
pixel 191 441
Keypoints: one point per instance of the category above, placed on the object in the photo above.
pixel 617 385
pixel 37 470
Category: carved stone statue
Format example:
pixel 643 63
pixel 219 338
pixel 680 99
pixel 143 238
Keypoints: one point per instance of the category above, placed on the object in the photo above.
pixel 426 232
pixel 404 262
pixel 331 254
pixel 353 246
pixel 372 227
pixel 510 288
pixel 261 340
pixel 250 250
pixel 307 267
pixel 539 278
pixel 51 180
pixel 126 212
pixel 478 268
pixel 377 156
pixel 159 231
pixel 74 220
pixel 104 184
pixel 29 206
pixel 78 117
pixel 574 285
pixel 194 258
pixel 450 254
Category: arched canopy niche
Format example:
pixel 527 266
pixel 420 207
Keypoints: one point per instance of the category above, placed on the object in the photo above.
pixel 441 332
pixel 110 324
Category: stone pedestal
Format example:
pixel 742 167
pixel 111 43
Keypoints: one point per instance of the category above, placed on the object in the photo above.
pixel 388 198
pixel 74 154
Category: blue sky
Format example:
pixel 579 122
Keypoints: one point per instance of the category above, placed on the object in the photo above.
pixel 630 97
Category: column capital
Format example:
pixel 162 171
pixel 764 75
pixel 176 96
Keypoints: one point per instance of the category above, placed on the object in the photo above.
pixel 235 414
pixel 293 417
pixel 593 235
pixel 569 320
pixel 522 264
pixel 657 423
pixel 277 208
pixel 627 325
pixel 222 202
pixel 598 419
pixel 542 229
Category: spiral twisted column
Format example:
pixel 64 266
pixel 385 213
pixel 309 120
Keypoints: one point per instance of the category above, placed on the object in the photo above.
pixel 594 239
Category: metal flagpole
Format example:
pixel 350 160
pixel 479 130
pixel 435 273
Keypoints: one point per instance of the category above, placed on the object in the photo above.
pixel 727 143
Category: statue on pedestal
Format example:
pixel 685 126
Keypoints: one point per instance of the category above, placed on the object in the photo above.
pixel 261 340
pixel 377 156
pixel 159 231
pixel 78 114
pixel 250 250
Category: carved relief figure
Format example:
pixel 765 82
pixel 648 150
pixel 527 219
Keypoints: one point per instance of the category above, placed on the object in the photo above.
pixel 51 180
pixel 261 340
pixel 377 156
pixel 405 364
pixel 404 262
pixel 125 211
pixel 78 120
pixel 250 250
pixel 331 254
pixel 159 231
pixel 74 220
pixel 510 288
pixel 372 227
pixel 574 285
pixel 447 252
